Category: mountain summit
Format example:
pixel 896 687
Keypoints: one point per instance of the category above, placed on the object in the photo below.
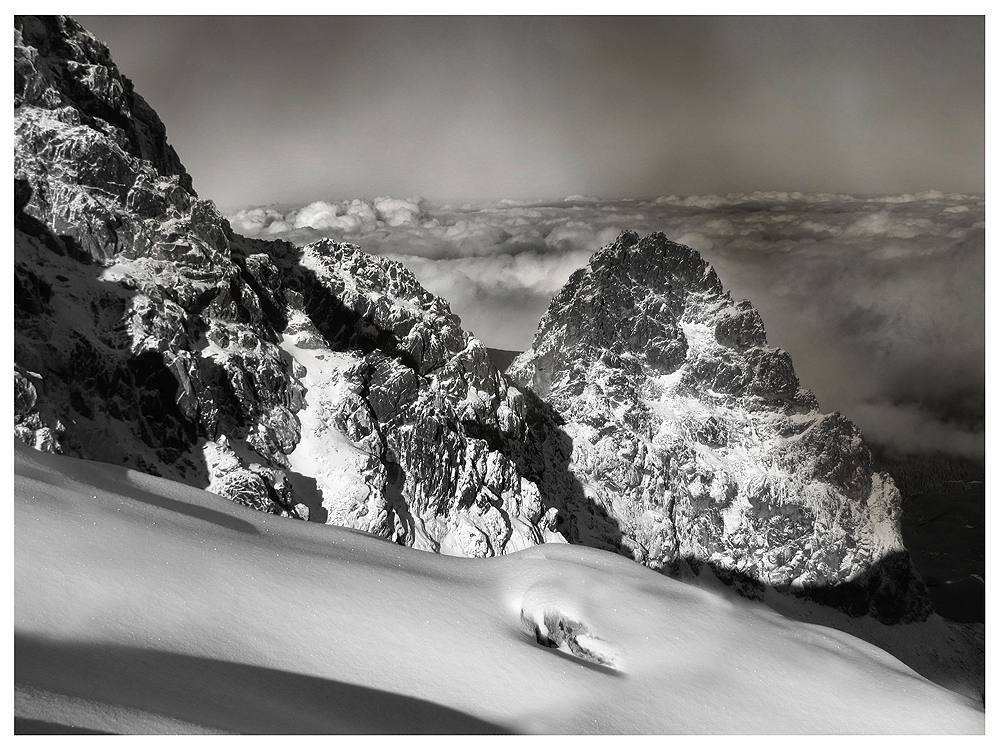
pixel 326 384
pixel 694 445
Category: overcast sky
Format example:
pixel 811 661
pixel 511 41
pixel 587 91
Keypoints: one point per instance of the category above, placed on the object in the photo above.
pixel 289 110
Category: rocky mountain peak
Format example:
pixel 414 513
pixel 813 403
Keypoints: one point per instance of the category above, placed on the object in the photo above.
pixel 59 66
pixel 322 383
pixel 652 305
pixel 695 446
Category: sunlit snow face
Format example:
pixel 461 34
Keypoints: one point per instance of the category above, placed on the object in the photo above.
pixel 880 301
pixel 143 606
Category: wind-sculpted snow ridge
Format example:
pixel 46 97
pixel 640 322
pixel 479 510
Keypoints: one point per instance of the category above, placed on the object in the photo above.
pixel 695 445
pixel 144 606
pixel 323 383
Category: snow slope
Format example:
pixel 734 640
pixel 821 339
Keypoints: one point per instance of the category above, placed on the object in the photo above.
pixel 142 605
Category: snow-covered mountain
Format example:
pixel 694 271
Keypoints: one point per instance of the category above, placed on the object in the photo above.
pixel 323 384
pixel 326 384
pixel 694 444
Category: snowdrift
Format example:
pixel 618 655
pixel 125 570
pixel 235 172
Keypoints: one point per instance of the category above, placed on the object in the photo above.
pixel 143 605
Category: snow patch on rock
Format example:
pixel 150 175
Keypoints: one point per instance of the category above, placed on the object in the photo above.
pixel 696 439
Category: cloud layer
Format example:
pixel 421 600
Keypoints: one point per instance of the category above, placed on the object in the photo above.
pixel 879 300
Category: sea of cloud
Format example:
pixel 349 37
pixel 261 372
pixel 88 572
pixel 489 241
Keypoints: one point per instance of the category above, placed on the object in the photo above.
pixel 879 300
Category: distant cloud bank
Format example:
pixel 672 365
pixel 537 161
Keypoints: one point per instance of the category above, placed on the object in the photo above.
pixel 880 300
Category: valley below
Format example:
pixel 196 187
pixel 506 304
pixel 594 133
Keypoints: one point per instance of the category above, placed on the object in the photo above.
pixel 946 535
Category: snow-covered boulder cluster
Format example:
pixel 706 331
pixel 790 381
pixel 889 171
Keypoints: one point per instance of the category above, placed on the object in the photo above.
pixel 326 384
pixel 149 334
pixel 693 443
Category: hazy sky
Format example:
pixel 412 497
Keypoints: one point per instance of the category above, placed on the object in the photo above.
pixel 291 109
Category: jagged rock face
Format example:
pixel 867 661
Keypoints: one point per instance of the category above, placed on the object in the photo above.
pixel 323 383
pixel 326 384
pixel 414 394
pixel 60 68
pixel 694 444
pixel 122 275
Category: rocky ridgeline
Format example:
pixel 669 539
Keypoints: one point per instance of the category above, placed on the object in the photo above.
pixel 694 445
pixel 417 395
pixel 325 383
pixel 148 334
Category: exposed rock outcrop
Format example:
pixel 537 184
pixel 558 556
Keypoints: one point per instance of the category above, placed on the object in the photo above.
pixel 124 274
pixel 327 384
pixel 694 444
pixel 147 333
pixel 413 393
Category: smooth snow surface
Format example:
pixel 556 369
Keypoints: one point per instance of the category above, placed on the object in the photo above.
pixel 142 605
pixel 324 454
